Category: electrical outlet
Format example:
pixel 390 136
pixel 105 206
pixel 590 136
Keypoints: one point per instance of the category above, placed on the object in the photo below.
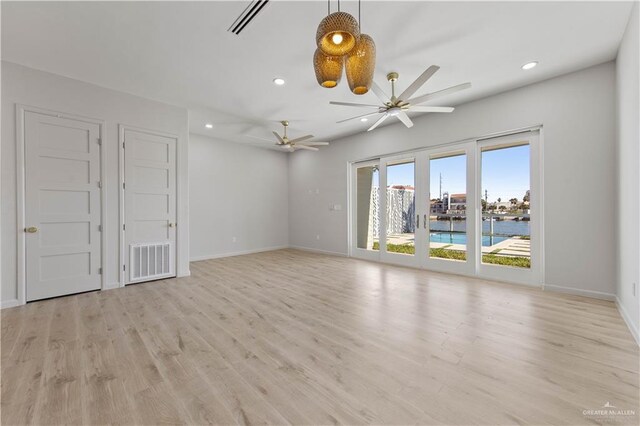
pixel 234 239
pixel 317 237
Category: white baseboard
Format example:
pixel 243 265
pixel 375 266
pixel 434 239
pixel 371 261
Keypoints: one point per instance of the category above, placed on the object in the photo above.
pixel 314 250
pixel 627 319
pixel 580 292
pixel 183 274
pixel 111 286
pixel 9 303
pixel 236 253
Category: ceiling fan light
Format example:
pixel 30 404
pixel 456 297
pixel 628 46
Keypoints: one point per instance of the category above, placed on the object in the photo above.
pixel 328 69
pixel 337 34
pixel 360 64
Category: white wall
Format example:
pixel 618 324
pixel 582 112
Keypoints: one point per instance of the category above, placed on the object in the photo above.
pixel 577 112
pixel 236 191
pixel 628 177
pixel 44 90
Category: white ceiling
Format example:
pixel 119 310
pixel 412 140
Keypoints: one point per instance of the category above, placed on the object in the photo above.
pixel 181 53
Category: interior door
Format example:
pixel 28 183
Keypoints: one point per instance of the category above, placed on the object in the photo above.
pixel 150 206
pixel 62 206
pixel 401 233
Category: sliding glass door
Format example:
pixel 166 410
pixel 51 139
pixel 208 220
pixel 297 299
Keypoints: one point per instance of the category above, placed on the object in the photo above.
pixel 470 208
pixel 450 210
pixel 365 202
pixel 399 218
pixel 509 188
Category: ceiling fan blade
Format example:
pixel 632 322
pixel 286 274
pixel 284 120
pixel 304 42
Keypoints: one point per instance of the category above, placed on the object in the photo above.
pixel 300 139
pixel 279 138
pixel 359 116
pixel 409 91
pixel 354 105
pixel 419 108
pixel 379 122
pixel 439 93
pixel 309 148
pixel 379 93
pixel 402 116
pixel 314 144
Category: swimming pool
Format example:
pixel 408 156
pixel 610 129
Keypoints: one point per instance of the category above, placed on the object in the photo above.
pixel 459 238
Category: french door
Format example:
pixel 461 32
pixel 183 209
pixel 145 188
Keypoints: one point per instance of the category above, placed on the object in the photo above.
pixel 470 208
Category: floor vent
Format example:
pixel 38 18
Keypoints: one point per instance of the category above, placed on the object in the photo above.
pixel 247 15
pixel 149 261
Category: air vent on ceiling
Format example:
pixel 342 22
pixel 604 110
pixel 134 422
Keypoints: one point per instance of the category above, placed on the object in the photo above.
pixel 247 15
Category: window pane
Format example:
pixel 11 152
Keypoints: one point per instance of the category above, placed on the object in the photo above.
pixel 401 209
pixel 506 233
pixel 448 206
pixel 367 207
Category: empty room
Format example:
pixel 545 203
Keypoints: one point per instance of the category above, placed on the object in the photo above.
pixel 320 212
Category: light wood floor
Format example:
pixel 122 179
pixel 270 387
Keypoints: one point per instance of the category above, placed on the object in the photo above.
pixel 294 337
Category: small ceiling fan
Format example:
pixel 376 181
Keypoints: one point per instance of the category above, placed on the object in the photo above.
pixel 293 144
pixel 397 106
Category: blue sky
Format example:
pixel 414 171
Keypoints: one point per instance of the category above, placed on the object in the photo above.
pixel 505 174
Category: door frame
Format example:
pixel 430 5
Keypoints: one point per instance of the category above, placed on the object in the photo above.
pixel 474 269
pixel 122 252
pixel 21 110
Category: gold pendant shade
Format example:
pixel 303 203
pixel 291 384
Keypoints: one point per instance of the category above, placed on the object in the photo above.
pixel 337 34
pixel 360 65
pixel 328 69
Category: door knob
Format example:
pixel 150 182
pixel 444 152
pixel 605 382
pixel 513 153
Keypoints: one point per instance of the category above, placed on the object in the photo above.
pixel 31 230
pixel 172 225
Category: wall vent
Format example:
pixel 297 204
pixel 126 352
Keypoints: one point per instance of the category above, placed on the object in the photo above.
pixel 247 15
pixel 149 261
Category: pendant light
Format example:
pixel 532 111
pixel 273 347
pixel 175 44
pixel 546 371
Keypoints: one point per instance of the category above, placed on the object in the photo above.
pixel 337 33
pixel 328 69
pixel 360 65
pixel 361 62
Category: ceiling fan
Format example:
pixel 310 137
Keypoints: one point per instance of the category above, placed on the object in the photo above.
pixel 293 144
pixel 397 106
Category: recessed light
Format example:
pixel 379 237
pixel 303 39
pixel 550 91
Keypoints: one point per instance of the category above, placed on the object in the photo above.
pixel 209 126
pixel 364 119
pixel 529 65
pixel 278 81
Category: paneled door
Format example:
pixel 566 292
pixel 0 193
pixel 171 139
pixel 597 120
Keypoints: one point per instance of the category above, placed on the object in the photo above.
pixel 150 206
pixel 62 206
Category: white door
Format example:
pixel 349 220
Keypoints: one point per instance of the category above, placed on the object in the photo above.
pixel 150 206
pixel 62 206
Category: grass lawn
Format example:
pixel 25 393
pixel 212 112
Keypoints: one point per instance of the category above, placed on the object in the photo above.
pixel 520 262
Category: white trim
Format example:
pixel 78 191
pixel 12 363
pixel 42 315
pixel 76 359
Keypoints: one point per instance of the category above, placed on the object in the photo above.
pixel 21 109
pixel 627 319
pixel 327 252
pixel 459 141
pixel 580 292
pixel 121 208
pixel 236 253
pixel 10 303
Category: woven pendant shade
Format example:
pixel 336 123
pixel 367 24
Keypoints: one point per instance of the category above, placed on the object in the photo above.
pixel 337 34
pixel 360 64
pixel 328 69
